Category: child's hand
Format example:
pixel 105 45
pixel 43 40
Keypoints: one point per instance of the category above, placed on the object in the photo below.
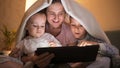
pixel 52 44
pixel 86 43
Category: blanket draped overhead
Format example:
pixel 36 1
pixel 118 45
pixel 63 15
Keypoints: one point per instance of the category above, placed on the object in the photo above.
pixel 73 9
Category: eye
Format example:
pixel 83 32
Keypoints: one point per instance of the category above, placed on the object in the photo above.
pixel 34 25
pixel 72 24
pixel 61 13
pixel 51 13
pixel 80 26
pixel 42 26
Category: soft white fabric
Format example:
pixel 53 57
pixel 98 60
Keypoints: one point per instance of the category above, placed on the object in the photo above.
pixel 85 18
pixel 101 62
pixel 73 9
pixel 4 58
pixel 29 45
pixel 39 5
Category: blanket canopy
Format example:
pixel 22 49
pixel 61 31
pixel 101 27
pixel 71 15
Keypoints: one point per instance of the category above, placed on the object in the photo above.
pixel 71 7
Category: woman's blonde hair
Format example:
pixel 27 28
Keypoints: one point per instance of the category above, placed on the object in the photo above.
pixel 67 18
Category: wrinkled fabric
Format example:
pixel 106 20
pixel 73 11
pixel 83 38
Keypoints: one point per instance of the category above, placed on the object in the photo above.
pixel 29 45
pixel 4 58
pixel 73 9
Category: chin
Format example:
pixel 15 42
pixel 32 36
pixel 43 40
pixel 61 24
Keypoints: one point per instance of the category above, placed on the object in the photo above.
pixel 38 36
pixel 77 37
pixel 56 27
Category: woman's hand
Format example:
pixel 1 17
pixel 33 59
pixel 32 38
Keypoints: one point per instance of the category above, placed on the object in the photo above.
pixel 43 60
pixel 15 53
pixel 86 43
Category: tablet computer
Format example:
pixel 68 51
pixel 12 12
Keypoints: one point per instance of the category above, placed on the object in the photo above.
pixel 71 53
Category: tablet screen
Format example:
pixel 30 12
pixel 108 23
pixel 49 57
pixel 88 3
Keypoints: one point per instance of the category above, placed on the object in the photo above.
pixel 71 53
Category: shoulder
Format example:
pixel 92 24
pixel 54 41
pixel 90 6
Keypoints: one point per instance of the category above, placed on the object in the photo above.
pixel 47 35
pixel 66 29
pixel 20 44
pixel 22 41
pixel 92 38
pixel 65 25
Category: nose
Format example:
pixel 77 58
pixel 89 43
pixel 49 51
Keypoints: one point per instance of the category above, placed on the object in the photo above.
pixel 76 29
pixel 56 18
pixel 38 28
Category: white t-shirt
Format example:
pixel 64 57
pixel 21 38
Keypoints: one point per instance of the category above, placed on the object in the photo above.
pixel 30 44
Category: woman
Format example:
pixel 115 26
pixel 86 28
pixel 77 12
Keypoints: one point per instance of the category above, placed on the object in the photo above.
pixel 74 10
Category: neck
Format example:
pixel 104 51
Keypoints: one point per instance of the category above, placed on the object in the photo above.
pixel 54 31
pixel 51 27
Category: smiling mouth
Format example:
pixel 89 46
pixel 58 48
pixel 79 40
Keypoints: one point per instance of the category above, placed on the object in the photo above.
pixel 55 22
pixel 77 33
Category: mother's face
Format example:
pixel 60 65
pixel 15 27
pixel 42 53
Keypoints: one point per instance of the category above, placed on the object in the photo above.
pixel 55 15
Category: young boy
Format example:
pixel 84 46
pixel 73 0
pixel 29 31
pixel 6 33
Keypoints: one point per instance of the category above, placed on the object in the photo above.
pixel 85 39
pixel 36 38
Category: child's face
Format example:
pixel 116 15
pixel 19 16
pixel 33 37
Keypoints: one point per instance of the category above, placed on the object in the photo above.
pixel 77 29
pixel 36 25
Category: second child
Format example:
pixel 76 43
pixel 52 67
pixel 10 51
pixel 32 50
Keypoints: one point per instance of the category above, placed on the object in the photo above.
pixel 85 39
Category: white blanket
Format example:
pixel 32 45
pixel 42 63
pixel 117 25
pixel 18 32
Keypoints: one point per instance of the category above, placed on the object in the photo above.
pixel 73 9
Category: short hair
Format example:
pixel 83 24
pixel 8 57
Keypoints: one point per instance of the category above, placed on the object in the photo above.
pixel 29 20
